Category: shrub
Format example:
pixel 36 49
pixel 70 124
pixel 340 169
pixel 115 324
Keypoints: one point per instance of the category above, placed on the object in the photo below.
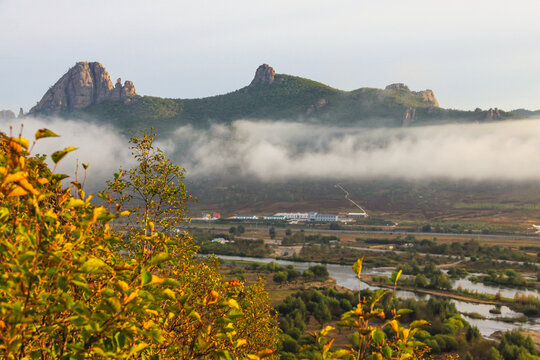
pixel 70 288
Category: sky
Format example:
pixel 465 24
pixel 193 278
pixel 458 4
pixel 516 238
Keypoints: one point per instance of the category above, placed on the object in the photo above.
pixel 474 53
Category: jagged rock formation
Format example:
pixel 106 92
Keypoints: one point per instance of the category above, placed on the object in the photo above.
pixel 7 115
pixel 493 114
pixel 426 96
pixel 265 74
pixel 21 113
pixel 85 84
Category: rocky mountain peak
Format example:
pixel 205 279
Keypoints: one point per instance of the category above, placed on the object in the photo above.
pixel 265 74
pixel 427 96
pixel 85 84
pixel 397 87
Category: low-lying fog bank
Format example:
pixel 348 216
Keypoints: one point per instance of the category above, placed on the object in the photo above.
pixel 270 150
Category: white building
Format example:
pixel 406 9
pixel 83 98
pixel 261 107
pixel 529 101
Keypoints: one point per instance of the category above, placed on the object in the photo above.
pixel 357 215
pixel 245 217
pixel 293 216
pixel 274 217
pixel 326 217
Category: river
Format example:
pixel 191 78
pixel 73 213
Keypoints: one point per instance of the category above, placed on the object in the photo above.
pixel 345 277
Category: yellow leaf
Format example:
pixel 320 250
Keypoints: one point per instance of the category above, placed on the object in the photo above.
pixel 21 141
pixel 156 280
pixel 74 203
pixel 357 267
pixel 405 334
pixel 241 342
pixel 27 186
pixel 43 181
pixel 18 191
pixel 15 177
pixel 327 346
pixel 148 324
pixel 131 297
pixel 169 293
pixel 326 330
pixel 394 325
pixel 137 348
pixel 153 312
pixel 123 285
pixel 212 297
pixel 234 304
pixel 397 276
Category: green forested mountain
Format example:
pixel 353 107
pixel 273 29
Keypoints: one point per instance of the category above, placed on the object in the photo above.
pixel 269 96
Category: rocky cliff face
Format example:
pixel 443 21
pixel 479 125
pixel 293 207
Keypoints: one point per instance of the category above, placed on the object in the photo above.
pixel 85 84
pixel 265 74
pixel 427 96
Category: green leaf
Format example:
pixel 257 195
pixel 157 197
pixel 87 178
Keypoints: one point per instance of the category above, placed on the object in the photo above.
pixel 120 340
pixel 59 155
pixel 404 311
pixel 61 282
pixel 44 133
pixel 418 323
pixel 146 277
pixel 378 336
pixel 376 296
pixel 234 313
pixel 78 321
pixel 59 177
pixel 160 258
pixel 93 265
pixel 223 355
pixel 357 267
pixel 387 352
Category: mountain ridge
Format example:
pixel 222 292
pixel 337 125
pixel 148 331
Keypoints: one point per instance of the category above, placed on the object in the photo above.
pixel 86 91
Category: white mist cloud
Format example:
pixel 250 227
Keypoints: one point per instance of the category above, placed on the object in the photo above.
pixel 99 145
pixel 281 150
pixel 272 150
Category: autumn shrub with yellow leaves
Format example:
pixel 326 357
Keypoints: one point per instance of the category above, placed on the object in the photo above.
pixel 69 289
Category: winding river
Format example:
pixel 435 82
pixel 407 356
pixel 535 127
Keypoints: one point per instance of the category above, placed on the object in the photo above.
pixel 345 277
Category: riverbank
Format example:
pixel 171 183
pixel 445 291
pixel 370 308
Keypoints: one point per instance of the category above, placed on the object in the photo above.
pixel 369 280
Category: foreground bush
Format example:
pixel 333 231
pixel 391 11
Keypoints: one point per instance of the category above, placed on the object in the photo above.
pixel 70 290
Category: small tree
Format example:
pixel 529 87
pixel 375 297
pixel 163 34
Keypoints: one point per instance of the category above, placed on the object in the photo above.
pixel 240 229
pixel 272 232
pixel 153 190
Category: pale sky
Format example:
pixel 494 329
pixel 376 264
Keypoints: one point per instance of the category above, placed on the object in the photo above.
pixel 483 53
